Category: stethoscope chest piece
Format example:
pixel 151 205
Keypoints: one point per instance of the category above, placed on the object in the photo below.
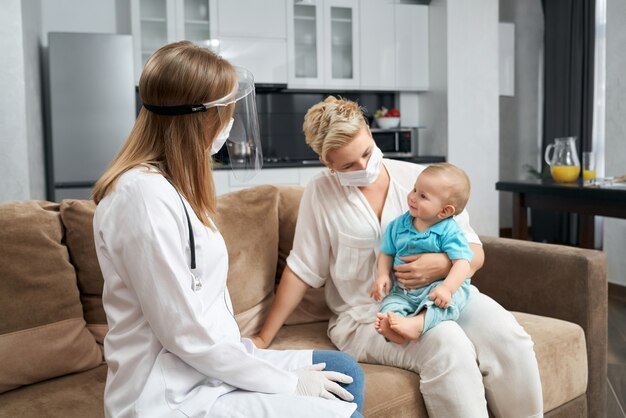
pixel 196 284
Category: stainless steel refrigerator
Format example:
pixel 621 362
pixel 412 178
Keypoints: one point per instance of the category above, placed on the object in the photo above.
pixel 91 108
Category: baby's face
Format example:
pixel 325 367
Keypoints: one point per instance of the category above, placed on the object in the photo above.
pixel 428 197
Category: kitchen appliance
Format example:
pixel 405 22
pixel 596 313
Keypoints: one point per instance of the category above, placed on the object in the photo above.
pixel 397 142
pixel 91 109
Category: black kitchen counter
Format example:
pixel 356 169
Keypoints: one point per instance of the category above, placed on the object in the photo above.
pixel 424 159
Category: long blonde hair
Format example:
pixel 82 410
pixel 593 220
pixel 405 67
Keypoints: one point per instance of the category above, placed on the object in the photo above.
pixel 177 74
pixel 331 124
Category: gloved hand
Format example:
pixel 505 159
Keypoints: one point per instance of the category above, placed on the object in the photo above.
pixel 312 381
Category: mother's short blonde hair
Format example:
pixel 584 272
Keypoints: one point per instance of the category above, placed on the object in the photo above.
pixel 331 124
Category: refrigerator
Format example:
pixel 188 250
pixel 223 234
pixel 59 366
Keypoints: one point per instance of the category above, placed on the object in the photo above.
pixel 91 109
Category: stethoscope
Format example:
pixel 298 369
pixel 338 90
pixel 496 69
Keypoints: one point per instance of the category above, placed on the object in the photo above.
pixel 196 284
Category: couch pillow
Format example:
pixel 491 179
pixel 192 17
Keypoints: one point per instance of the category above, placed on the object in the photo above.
pixel 77 216
pixel 248 221
pixel 42 330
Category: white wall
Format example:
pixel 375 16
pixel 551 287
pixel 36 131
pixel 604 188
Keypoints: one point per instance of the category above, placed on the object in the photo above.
pixel 615 156
pixel 93 16
pixel 31 25
pixel 461 110
pixel 473 106
pixel 520 115
pixel 14 162
pixel 24 27
pixel 433 104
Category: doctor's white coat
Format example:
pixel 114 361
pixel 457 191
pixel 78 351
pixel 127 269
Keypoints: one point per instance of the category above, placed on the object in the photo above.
pixel 173 351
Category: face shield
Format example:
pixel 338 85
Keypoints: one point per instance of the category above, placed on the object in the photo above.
pixel 244 139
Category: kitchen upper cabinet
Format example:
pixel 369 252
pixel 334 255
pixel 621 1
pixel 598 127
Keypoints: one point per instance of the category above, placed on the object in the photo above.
pixel 394 39
pixel 412 64
pixel 158 22
pixel 378 40
pixel 252 18
pixel 323 43
pixel 253 34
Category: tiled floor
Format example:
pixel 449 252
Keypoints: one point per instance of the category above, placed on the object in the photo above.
pixel 616 362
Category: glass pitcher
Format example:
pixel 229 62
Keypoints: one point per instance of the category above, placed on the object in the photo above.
pixel 564 163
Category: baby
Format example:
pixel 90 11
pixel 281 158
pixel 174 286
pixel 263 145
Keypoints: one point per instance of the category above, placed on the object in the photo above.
pixel 440 192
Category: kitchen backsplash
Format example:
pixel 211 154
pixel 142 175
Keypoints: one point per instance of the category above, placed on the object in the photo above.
pixel 281 116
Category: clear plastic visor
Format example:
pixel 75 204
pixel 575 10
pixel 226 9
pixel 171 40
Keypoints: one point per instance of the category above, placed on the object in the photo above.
pixel 244 141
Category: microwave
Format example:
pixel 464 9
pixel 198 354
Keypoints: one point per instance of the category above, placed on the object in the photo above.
pixel 398 142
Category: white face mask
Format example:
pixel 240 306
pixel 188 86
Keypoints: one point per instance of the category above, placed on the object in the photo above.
pixel 221 138
pixel 363 177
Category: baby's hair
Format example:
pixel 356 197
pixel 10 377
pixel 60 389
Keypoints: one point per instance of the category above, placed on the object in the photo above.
pixel 458 183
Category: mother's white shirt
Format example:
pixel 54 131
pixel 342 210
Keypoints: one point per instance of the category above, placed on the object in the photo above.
pixel 338 237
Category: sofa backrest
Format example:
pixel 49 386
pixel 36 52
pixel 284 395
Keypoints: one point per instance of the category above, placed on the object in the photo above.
pixel 42 330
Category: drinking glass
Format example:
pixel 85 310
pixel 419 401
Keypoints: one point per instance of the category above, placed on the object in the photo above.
pixel 589 167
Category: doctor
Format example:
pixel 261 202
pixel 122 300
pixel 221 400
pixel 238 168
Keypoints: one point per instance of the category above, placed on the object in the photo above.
pixel 173 347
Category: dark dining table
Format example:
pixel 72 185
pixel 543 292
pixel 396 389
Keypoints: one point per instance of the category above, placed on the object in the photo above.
pixel 588 201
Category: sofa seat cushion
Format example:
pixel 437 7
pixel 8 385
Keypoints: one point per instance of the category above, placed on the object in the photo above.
pixel 390 392
pixel 73 395
pixel 562 357
pixel 42 330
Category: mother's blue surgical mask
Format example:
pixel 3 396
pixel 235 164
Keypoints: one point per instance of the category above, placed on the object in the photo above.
pixel 363 177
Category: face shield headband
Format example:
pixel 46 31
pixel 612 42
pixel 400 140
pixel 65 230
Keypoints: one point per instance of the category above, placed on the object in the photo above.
pixel 244 140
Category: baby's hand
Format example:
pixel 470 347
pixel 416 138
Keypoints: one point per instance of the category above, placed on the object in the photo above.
pixel 380 288
pixel 441 296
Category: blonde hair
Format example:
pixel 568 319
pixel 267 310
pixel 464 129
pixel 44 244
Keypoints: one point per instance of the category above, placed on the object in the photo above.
pixel 177 74
pixel 458 183
pixel 331 124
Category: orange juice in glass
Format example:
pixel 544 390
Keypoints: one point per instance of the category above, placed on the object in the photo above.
pixel 589 167
pixel 564 162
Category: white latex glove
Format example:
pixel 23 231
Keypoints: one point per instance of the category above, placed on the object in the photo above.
pixel 312 381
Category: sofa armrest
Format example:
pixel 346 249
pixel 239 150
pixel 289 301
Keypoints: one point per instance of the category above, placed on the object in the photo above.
pixel 561 282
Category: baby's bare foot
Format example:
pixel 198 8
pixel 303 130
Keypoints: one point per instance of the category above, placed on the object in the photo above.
pixel 382 326
pixel 409 328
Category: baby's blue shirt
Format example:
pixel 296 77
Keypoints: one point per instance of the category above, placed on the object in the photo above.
pixel 401 239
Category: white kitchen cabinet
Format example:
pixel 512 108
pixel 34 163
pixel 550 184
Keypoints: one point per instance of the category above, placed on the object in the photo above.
pixel 253 34
pixel 323 43
pixel 412 63
pixel 378 40
pixel 252 18
pixel 155 23
pixel 226 182
pixel 266 58
pixel 394 59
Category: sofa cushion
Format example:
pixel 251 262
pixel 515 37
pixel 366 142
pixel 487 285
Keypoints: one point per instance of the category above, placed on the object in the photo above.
pixel 75 395
pixel 248 221
pixel 562 357
pixel 42 330
pixel 77 217
pixel 391 392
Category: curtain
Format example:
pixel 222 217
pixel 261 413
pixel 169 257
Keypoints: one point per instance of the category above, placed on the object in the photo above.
pixel 568 68
pixel 569 39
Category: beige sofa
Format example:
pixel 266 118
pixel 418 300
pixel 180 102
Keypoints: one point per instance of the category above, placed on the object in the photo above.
pixel 52 322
